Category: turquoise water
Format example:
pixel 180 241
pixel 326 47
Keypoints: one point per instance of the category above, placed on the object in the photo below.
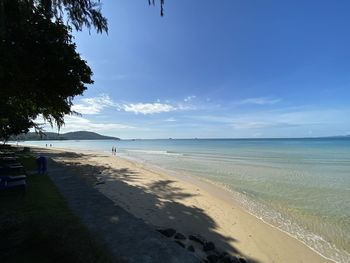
pixel 301 186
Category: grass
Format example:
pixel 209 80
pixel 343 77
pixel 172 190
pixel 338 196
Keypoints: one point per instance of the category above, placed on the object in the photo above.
pixel 37 226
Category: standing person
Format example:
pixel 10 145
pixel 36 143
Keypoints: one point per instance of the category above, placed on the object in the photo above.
pixel 115 150
pixel 112 150
pixel 41 164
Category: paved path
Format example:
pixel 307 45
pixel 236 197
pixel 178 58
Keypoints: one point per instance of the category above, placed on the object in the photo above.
pixel 128 238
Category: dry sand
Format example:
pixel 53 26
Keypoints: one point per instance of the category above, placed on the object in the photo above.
pixel 187 204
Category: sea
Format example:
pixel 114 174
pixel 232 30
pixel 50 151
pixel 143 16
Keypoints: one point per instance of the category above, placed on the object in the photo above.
pixel 301 186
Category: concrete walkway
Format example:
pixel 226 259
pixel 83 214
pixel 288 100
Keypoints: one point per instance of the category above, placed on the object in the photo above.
pixel 128 238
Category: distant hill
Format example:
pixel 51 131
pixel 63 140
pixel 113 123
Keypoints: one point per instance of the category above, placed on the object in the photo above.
pixel 78 135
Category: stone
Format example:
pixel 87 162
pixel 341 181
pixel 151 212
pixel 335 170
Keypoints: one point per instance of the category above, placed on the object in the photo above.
pixel 212 258
pixel 179 236
pixel 225 260
pixel 228 259
pixel 224 254
pixel 208 246
pixel 197 239
pixel 242 260
pixel 191 248
pixel 169 232
pixel 180 243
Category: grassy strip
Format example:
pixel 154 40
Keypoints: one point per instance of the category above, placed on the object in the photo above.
pixel 37 226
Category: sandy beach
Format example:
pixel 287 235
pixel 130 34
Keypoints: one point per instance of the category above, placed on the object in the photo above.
pixel 187 204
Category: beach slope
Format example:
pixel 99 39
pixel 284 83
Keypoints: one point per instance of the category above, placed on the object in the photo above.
pixel 189 205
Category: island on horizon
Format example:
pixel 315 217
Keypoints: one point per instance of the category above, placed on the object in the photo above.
pixel 77 135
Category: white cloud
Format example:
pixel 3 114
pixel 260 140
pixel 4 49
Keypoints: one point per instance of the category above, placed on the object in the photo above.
pixel 281 119
pixel 252 125
pixel 75 123
pixel 170 120
pixel 184 107
pixel 148 108
pixel 189 98
pixel 260 101
pixel 97 104
pixel 93 105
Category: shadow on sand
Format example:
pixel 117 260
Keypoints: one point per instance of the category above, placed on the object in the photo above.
pixel 160 199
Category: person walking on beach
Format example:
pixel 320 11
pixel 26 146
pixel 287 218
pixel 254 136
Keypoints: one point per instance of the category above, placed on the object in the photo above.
pixel 114 150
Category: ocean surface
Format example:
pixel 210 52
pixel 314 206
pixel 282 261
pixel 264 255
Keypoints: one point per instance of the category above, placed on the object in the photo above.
pixel 301 186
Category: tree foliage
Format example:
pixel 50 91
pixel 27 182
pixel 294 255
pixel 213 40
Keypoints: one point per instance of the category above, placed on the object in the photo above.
pixel 40 70
pixel 79 13
pixel 152 2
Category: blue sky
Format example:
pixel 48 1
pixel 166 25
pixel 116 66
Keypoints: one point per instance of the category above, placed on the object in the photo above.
pixel 229 68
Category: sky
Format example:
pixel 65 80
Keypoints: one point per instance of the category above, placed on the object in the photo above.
pixel 218 69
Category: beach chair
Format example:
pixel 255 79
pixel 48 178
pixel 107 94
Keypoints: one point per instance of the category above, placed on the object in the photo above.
pixel 11 178
pixel 12 168
pixel 14 165
pixel 7 154
pixel 9 159
pixel 12 185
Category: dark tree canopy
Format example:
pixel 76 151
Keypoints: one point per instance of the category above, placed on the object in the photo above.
pixel 40 70
pixel 79 13
pixel 152 2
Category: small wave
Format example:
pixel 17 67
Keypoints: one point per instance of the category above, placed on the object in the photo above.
pixel 278 220
pixel 155 152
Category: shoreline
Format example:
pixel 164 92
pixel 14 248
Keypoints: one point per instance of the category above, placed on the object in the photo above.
pixel 248 232
pixel 218 190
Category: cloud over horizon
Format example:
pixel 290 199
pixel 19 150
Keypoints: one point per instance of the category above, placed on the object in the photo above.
pixel 271 118
pixel 77 123
pixel 93 105
pixel 147 108
pixel 260 101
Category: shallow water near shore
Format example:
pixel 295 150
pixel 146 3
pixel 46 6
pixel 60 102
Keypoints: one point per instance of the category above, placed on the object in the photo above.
pixel 301 186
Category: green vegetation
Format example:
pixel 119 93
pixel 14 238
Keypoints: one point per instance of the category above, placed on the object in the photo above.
pixel 78 135
pixel 37 226
pixel 41 71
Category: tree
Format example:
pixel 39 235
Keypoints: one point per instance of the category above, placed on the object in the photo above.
pixel 40 70
pixel 152 2
pixel 79 13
